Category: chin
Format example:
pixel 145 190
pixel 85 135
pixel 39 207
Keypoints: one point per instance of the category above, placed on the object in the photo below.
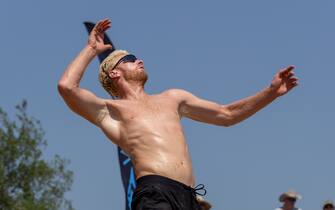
pixel 141 69
pixel 139 75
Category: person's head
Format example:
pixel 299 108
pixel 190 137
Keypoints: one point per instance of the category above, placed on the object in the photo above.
pixel 289 199
pixel 121 66
pixel 203 204
pixel 328 205
pixel 289 202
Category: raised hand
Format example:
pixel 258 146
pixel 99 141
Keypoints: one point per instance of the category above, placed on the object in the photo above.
pixel 96 38
pixel 284 81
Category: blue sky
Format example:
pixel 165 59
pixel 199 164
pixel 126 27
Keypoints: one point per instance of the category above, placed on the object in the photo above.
pixel 218 50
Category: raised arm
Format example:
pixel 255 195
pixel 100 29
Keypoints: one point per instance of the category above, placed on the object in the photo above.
pixel 81 101
pixel 230 114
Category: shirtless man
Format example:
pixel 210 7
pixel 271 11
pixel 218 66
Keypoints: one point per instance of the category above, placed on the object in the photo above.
pixel 147 127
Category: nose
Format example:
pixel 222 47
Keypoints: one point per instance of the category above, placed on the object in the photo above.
pixel 140 61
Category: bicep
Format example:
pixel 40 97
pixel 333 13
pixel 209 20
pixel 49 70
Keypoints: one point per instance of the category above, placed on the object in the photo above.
pixel 204 111
pixel 85 104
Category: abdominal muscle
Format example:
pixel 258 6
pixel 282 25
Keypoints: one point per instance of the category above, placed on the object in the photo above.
pixel 157 147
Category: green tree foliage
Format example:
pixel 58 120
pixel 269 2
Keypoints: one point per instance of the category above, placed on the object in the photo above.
pixel 27 182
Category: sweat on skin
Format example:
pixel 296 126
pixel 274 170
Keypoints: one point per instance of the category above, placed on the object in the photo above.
pixel 148 127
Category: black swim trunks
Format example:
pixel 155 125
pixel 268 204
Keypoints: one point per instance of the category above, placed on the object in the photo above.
pixel 155 192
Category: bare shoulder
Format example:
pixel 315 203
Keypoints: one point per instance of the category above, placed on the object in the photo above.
pixel 178 94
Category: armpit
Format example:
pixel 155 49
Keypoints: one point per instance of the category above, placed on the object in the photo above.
pixel 102 114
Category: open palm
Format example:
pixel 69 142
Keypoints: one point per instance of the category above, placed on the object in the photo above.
pixel 96 38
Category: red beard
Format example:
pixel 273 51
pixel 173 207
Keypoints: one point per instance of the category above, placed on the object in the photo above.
pixel 136 76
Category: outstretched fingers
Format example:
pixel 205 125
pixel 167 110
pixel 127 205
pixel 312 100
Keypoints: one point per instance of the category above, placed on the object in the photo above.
pixel 292 82
pixel 102 25
pixel 286 71
pixel 292 85
pixel 293 79
pixel 105 25
pixel 290 74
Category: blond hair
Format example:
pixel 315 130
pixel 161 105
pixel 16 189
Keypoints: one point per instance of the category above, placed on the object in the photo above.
pixel 108 64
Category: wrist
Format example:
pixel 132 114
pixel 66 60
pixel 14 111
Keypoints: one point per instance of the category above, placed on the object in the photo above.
pixel 272 91
pixel 92 52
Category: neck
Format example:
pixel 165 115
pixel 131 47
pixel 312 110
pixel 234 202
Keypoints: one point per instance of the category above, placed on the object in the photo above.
pixel 131 91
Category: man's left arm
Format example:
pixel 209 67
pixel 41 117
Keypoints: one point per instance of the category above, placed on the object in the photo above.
pixel 230 114
pixel 282 83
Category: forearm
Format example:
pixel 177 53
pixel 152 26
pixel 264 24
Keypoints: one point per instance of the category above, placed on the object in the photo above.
pixel 242 109
pixel 74 72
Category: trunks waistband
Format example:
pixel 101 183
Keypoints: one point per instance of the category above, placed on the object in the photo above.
pixel 147 179
pixel 150 179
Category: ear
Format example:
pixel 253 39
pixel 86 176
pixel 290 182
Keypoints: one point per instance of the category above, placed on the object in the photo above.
pixel 114 74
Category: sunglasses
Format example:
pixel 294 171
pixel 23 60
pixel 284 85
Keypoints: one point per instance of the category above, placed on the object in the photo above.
pixel 127 58
pixel 291 199
pixel 328 206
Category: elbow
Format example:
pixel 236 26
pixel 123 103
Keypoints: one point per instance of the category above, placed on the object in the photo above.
pixel 226 123
pixel 226 118
pixel 230 121
pixel 63 87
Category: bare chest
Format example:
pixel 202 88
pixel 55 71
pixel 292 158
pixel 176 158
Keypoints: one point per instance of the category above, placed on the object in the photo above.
pixel 144 124
pixel 153 110
pixel 147 119
pixel 147 110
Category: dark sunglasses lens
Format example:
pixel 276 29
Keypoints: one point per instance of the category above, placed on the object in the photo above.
pixel 129 58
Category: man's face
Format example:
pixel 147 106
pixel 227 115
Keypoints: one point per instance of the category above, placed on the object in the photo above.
pixel 132 69
pixel 328 207
pixel 289 202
